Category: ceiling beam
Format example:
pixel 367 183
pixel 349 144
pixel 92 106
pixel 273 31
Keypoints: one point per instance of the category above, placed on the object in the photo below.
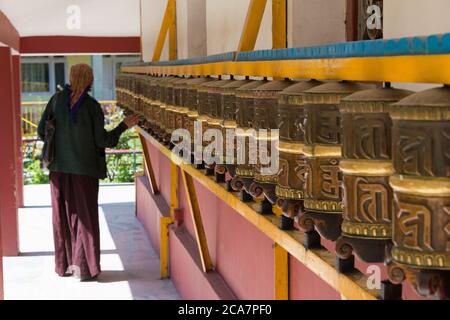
pixel 79 45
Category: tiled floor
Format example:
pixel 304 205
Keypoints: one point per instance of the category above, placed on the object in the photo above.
pixel 130 265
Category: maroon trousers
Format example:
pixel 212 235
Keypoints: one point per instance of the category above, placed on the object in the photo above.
pixel 76 229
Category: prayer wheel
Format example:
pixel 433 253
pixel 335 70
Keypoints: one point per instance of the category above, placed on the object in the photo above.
pixel 421 184
pixel 126 93
pixel 121 92
pixel 131 94
pixel 173 106
pixel 191 102
pixel 208 103
pixel 137 93
pixel 228 122
pixel 152 100
pixel 156 108
pixel 291 176
pixel 323 151
pixel 214 119
pixel 170 108
pixel 166 99
pixel 146 103
pixel 366 167
pixel 265 120
pixel 245 110
pixel 180 106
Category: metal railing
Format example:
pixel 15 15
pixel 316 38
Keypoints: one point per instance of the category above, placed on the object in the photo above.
pixel 31 113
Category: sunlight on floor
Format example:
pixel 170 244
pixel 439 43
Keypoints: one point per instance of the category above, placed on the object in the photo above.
pixel 130 266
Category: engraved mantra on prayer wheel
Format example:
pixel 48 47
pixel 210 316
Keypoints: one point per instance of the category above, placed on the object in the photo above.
pixel 174 107
pixel 290 119
pixel 367 166
pixel 213 115
pixel 181 108
pixel 228 121
pixel 421 184
pixel 264 119
pixel 154 97
pixel 191 103
pixel 170 108
pixel 245 109
pixel 166 97
pixel 145 102
pixel 323 151
pixel 156 109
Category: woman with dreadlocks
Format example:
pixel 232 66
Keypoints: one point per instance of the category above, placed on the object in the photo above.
pixel 79 163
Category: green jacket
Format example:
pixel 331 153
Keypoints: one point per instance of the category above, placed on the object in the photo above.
pixel 80 145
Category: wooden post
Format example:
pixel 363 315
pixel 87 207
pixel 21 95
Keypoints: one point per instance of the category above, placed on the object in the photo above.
pixel 281 259
pixel 8 164
pixel 252 24
pixel 18 118
pixel 148 166
pixel 351 21
pixel 279 24
pixel 169 25
pixel 198 223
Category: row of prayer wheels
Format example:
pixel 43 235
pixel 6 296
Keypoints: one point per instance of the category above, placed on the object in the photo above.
pixel 363 165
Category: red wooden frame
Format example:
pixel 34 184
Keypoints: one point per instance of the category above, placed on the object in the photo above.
pixel 79 45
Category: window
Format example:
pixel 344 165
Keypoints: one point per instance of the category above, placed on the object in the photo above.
pixel 41 76
pixel 35 77
pixel 60 74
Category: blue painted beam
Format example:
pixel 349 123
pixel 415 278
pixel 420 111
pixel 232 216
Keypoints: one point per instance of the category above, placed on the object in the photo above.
pixel 414 46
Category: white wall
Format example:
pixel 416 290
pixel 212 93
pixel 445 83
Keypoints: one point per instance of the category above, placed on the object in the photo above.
pixel 225 20
pixel 49 17
pixel 407 18
pixel 152 14
pixel 191 28
pixel 316 22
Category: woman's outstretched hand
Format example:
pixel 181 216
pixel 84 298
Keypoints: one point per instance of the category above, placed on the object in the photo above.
pixel 131 120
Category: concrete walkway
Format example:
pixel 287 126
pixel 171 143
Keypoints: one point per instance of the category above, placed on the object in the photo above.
pixel 130 265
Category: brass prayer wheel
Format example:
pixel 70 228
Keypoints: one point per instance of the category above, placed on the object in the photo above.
pixel 146 101
pixel 264 120
pixel 172 114
pixel 152 99
pixel 121 91
pixel 171 106
pixel 180 107
pixel 127 92
pixel 323 151
pixel 421 184
pixel 208 106
pixel 366 167
pixel 166 99
pixel 156 108
pixel 290 119
pixel 192 104
pixel 228 121
pixel 245 110
pixel 137 94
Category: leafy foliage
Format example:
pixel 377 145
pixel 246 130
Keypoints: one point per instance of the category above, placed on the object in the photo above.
pixel 121 167
pixel 33 174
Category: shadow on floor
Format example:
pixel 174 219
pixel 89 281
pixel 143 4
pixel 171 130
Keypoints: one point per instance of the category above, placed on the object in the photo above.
pixel 130 265
pixel 52 253
pixel 136 254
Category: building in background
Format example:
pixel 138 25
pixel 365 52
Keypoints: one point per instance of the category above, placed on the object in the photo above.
pixel 42 74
